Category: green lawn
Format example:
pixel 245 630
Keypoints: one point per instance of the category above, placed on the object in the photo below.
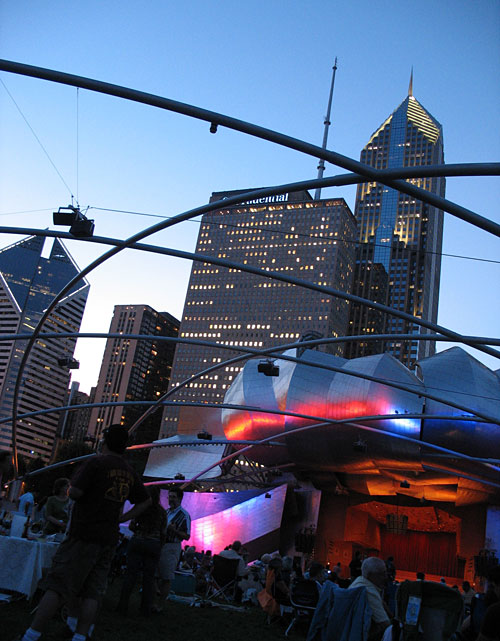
pixel 179 623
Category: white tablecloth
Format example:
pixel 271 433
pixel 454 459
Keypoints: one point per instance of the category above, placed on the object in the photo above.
pixel 22 562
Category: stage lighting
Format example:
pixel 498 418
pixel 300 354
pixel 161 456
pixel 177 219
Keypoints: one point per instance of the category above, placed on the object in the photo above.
pixel 80 226
pixel 267 495
pixel 204 435
pixel 404 484
pixel 65 215
pixel 268 368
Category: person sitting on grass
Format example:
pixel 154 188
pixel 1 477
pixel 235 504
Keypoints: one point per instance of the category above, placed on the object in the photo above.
pixel 56 508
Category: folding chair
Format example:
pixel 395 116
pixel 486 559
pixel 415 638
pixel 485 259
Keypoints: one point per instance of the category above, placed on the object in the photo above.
pixel 427 610
pixel 304 597
pixel 223 579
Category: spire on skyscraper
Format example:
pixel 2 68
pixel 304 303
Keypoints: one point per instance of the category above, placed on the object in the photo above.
pixel 327 123
pixel 410 86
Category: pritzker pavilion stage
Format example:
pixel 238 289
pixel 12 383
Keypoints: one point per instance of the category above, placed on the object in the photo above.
pixel 412 482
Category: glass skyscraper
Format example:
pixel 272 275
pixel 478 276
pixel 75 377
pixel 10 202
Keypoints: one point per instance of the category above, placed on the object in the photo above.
pixel 398 260
pixel 29 282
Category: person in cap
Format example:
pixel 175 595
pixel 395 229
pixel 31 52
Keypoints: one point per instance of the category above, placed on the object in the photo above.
pixel 80 567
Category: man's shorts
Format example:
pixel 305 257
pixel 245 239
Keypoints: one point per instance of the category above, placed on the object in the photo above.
pixel 79 569
pixel 169 560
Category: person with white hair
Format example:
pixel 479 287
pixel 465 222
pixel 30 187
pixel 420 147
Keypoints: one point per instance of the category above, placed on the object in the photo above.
pixel 373 578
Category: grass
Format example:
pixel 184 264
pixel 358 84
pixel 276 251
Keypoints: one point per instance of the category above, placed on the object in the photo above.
pixel 179 622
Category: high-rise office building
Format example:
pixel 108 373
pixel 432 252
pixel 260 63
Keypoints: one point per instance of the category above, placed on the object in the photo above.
pixel 398 260
pixel 29 281
pixel 74 424
pixel 292 234
pixel 134 369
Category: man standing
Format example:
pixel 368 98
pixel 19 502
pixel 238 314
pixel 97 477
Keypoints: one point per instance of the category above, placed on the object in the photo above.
pixel 373 578
pixel 82 562
pixel 178 530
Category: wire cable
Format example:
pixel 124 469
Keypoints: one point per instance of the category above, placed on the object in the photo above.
pixel 37 138
pixel 284 232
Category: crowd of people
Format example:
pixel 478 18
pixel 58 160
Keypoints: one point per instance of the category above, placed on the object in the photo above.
pixel 89 510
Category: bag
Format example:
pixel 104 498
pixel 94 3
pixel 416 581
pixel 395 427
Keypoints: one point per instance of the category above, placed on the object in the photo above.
pixel 268 603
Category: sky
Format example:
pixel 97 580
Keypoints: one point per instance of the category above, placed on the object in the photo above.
pixel 268 62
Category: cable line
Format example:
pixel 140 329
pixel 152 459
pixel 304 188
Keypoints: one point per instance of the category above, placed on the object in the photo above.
pixel 37 138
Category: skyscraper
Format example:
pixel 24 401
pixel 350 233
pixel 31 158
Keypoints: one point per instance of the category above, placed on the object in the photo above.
pixel 29 282
pixel 293 234
pixel 398 260
pixel 134 370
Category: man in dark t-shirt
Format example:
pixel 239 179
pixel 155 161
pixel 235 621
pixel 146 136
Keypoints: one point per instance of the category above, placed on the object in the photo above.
pixel 80 567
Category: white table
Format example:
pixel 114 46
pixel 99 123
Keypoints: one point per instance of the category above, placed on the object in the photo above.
pixel 22 562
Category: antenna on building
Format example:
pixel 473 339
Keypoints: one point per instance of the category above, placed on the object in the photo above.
pixel 327 123
pixel 410 86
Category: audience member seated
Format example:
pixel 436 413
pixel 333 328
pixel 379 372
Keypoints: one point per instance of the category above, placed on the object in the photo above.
pixel 490 626
pixel 250 586
pixel 480 605
pixel 56 508
pixel 279 589
pixel 316 572
pixel 189 562
pixel 373 578
pixel 233 552
pixel 287 570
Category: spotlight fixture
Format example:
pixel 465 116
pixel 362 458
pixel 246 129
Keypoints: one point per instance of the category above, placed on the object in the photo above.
pixel 179 477
pixel 268 368
pixel 404 484
pixel 204 435
pixel 70 363
pixel 80 226
pixel 359 445
pixel 267 495
pixel 213 128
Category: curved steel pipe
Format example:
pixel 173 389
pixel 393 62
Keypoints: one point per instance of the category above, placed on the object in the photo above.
pixel 215 118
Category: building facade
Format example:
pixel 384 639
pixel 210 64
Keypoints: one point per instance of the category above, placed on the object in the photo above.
pixel 313 240
pixel 398 260
pixel 134 370
pixel 74 424
pixel 29 282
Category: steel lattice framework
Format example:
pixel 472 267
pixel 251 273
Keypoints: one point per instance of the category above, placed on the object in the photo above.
pixel 395 178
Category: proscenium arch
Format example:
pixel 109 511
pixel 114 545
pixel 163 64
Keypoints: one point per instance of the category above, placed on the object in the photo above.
pixel 234 124
pixel 242 126
pixel 326 423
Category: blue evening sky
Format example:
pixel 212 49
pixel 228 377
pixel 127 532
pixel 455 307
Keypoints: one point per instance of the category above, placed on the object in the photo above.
pixel 268 62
